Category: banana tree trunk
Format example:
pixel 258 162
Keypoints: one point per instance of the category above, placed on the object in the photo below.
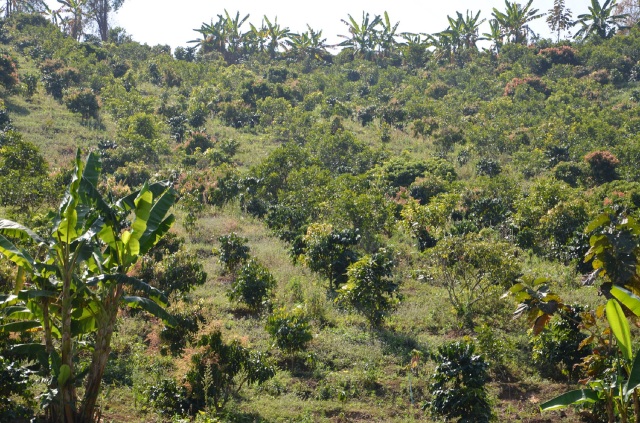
pixel 106 323
pixel 68 396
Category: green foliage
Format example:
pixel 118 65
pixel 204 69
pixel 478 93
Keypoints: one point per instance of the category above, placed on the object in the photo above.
pixel 290 329
pixel 8 71
pixel 168 397
pixel 24 181
pixel 472 269
pixel 79 279
pixel 82 101
pixel 558 348
pixel 252 285
pixel 602 165
pixel 14 382
pixel 179 272
pixel 183 333
pixel 458 384
pixel 328 251
pixel 369 289
pixel 233 252
pixel 221 370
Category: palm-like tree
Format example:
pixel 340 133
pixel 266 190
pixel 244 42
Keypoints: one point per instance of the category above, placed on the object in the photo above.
pixel 276 35
pixel 73 22
pixel 307 44
pixel 559 18
pixel 495 34
pixel 414 48
pixel 600 21
pixel 513 21
pixel 463 31
pixel 224 36
pixel 362 37
pixel 386 37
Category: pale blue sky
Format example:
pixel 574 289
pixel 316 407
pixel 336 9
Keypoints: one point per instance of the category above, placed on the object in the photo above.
pixel 172 22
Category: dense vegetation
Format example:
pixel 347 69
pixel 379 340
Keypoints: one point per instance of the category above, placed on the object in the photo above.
pixel 353 230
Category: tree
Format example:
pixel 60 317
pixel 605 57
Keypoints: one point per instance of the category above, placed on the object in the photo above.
pixel 631 8
pixel 221 369
pixel 276 36
pixel 99 11
pixel 458 387
pixel 224 36
pixel 369 289
pixel 559 18
pixel 78 281
pixel 73 23
pixel 513 21
pixel 23 6
pixel 601 21
pixel 326 251
pixel 308 44
pixel 362 37
pixel 290 329
pixel 386 37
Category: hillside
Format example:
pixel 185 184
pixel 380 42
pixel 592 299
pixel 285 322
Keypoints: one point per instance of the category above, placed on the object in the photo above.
pixel 341 220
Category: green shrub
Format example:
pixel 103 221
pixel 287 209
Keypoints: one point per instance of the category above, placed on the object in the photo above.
pixel 458 384
pixel 8 71
pixel 557 349
pixel 369 289
pixel 168 397
pixel 83 101
pixel 221 369
pixel 603 166
pixel 290 329
pixel 328 251
pixel 233 252
pixel 14 382
pixel 177 337
pixel 253 285
pixel 198 140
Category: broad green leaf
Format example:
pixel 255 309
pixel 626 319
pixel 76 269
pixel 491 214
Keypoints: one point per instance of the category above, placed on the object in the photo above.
pixel 26 295
pixel 18 312
pixel 31 350
pixel 16 230
pixel 66 230
pixel 157 225
pixel 626 297
pixel 64 374
pixel 143 204
pixel 128 202
pixel 634 377
pixel 136 284
pixel 20 326
pixel 6 299
pixel 92 168
pixel 603 219
pixel 150 239
pixel 579 396
pixel 151 307
pixel 92 196
pixel 83 326
pixel 620 328
pixel 16 255
pixel 107 236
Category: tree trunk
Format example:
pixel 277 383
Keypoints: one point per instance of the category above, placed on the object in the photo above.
pixel 67 390
pixel 101 351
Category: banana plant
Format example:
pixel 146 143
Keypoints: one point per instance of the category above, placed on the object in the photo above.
pixel 77 280
pixel 601 21
pixel 619 391
pixel 362 37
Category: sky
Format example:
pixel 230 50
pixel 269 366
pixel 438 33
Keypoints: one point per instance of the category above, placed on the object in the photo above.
pixel 173 22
